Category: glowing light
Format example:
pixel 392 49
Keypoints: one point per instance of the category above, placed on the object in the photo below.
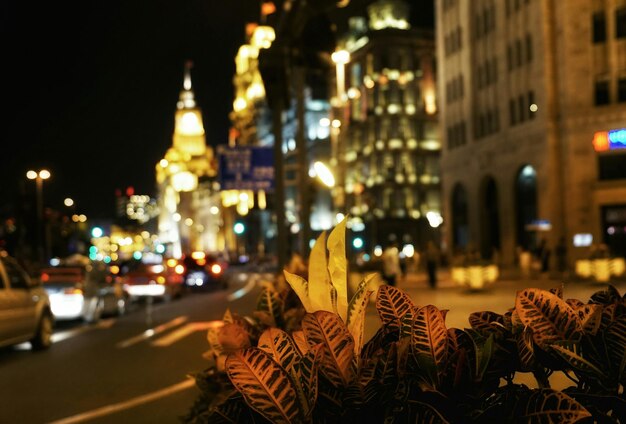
pixel 324 174
pixel 179 269
pixel 609 140
pixel 378 251
pixel 55 262
pixel 68 202
pixel 96 232
pixel 137 255
pixel 216 268
pixel 325 122
pixel 172 262
pixel 336 123
pixel 31 175
pixel 184 181
pixel 164 163
pixel 341 57
pixel 408 250
pixel 434 219
pixel 176 217
pixel 339 217
pixel 44 174
pixel 357 243
pixel 239 228
pixel 198 255
pixel 533 107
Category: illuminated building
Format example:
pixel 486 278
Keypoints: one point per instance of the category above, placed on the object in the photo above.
pixel 385 128
pixel 530 87
pixel 186 183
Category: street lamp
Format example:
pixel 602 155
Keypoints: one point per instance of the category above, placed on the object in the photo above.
pixel 39 177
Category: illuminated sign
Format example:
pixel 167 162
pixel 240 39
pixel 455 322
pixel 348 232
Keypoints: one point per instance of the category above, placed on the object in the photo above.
pixel 609 140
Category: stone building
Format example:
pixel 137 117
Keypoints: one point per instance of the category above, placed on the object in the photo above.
pixel 526 88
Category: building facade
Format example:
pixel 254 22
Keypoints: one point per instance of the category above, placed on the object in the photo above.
pixel 526 86
pixel 386 129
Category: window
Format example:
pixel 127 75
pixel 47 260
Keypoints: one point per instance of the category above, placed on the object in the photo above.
pixel 620 23
pixel 621 90
pixel 531 101
pixel 602 93
pixel 522 108
pixel 509 57
pixel 529 48
pixel 599 27
pixel 518 53
pixel 512 112
pixel 17 277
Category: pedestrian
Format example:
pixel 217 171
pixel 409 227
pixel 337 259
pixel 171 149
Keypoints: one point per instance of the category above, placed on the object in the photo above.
pixel 560 251
pixel 543 255
pixel 391 264
pixel 432 261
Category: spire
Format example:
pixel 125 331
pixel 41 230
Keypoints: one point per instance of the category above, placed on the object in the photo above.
pixel 186 99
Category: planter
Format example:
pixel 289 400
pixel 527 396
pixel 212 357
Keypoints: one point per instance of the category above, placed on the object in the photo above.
pixel 601 269
pixel 475 277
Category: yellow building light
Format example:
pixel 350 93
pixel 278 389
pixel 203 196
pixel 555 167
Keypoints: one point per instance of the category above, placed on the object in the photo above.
pixel 239 104
pixel 263 36
pixel 262 200
pixel 184 181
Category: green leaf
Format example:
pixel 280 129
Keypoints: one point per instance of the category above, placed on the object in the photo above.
pixel 391 304
pixel 547 405
pixel 338 267
pixel 328 329
pixel 550 318
pixel 319 280
pixel 301 287
pixel 429 341
pixel 265 385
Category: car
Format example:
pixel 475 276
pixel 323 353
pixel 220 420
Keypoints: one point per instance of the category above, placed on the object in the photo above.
pixel 156 280
pixel 205 271
pixel 25 313
pixel 84 290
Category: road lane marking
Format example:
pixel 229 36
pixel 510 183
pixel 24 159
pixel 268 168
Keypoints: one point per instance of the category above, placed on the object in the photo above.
pixel 152 332
pixel 188 329
pixel 242 291
pixel 131 403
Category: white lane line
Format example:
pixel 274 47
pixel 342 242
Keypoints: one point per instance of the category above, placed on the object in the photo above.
pixel 151 332
pixel 131 403
pixel 188 329
pixel 242 291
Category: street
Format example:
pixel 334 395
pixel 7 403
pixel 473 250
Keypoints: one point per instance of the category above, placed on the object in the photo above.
pixel 128 369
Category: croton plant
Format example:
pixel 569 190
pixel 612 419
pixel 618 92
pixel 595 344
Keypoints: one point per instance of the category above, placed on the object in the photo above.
pixel 305 360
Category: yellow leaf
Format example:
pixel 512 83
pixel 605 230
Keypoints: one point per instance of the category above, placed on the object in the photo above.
pixel 228 317
pixel 319 280
pixel 300 286
pixel 338 267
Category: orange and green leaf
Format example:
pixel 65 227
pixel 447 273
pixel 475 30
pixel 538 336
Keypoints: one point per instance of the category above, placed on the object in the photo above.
pixel 391 304
pixel 429 341
pixel 265 385
pixel 547 405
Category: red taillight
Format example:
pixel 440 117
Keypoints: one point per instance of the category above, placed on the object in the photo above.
pixel 45 277
pixel 216 268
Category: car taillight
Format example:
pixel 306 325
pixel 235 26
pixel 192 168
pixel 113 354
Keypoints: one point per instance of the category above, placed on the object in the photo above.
pixel 73 290
pixel 216 268
pixel 45 277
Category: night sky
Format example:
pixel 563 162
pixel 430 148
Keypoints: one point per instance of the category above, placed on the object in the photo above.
pixel 89 90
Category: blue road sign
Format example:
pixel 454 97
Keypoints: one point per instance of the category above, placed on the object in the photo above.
pixel 246 168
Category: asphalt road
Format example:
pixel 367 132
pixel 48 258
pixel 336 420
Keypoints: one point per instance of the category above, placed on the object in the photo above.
pixel 125 369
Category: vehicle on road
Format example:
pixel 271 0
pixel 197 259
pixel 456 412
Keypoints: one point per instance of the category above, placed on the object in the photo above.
pixel 158 280
pixel 25 314
pixel 83 289
pixel 205 271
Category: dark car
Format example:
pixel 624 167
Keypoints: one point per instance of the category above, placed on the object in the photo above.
pixel 25 313
pixel 205 271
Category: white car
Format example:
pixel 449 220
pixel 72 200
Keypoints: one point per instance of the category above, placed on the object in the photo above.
pixel 25 313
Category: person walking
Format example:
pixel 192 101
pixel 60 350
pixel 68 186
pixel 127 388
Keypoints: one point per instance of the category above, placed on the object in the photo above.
pixel 432 261
pixel 391 264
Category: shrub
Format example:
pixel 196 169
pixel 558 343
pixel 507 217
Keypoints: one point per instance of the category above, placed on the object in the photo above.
pixel 270 368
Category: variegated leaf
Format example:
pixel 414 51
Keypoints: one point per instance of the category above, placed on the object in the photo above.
pixel 615 339
pixel 547 405
pixel 609 312
pixel 214 341
pixel 424 413
pixel 338 267
pixel 307 367
pixel 327 329
pixel 270 301
pixel 574 303
pixel 487 322
pixel 301 287
pixel 265 385
pixel 233 410
pixel 558 291
pixel 391 304
pixel 526 350
pixel 362 289
pixel 483 356
pixel 281 347
pixel 228 317
pixel 606 297
pixel 319 280
pixel 550 318
pixel 300 340
pixel 429 341
pixel 232 337
pixel 387 365
pixel 356 324
pixel 590 317
pixel 571 353
pixel 406 323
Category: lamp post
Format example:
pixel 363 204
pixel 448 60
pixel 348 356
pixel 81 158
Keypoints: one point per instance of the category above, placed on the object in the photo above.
pixel 39 177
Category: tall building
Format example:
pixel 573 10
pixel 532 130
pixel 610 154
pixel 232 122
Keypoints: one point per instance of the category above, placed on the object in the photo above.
pixel 189 214
pixel 385 128
pixel 526 88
